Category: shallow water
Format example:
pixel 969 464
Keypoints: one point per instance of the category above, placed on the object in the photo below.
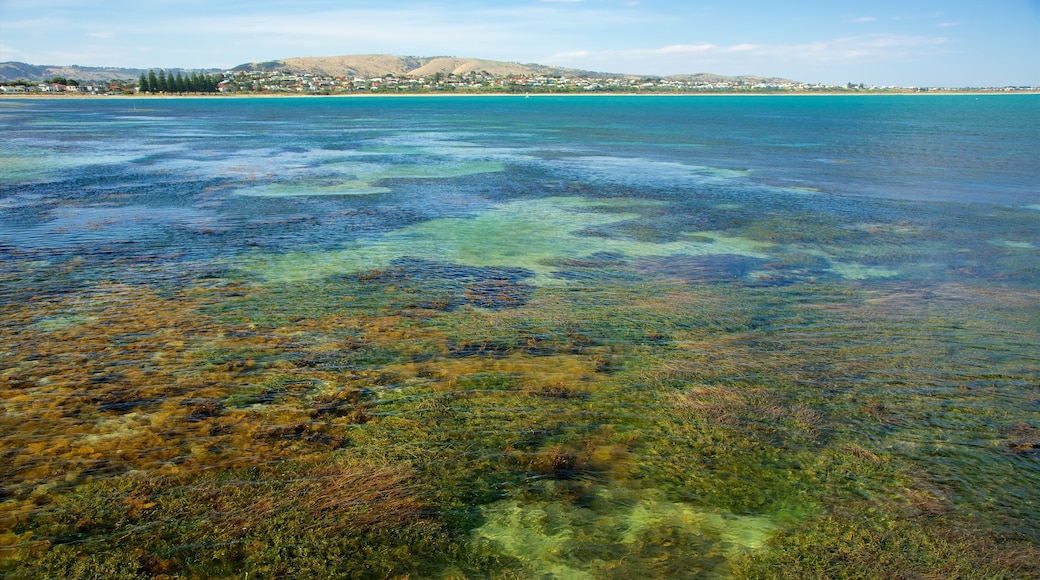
pixel 504 337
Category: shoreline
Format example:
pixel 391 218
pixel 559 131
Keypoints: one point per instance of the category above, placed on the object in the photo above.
pixel 33 96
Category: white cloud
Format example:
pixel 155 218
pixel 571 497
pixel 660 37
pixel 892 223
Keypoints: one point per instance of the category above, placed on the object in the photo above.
pixel 681 49
pixel 865 20
pixel 853 47
pixel 743 48
pixel 873 46
pixel 748 58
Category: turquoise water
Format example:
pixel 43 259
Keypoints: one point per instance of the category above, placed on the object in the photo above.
pixel 558 337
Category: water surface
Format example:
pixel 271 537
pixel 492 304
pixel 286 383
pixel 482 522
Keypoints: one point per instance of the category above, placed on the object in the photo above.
pixel 558 337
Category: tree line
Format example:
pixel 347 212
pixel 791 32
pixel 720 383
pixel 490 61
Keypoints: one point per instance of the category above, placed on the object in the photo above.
pixel 51 81
pixel 164 82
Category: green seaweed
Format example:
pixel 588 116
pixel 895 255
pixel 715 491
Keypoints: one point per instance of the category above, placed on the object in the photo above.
pixel 527 235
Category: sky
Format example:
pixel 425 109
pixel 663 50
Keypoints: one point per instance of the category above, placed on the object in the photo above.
pixel 941 43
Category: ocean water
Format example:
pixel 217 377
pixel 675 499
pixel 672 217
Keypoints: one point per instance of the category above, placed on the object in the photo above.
pixel 508 337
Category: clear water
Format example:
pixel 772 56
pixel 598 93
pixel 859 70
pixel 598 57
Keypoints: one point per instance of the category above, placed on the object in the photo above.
pixel 557 337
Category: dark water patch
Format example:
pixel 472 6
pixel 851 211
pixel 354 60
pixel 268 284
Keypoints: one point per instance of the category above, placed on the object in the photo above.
pixel 200 409
pixel 596 260
pixel 697 269
pixel 444 286
pixel 426 270
pixel 497 293
pixel 482 348
pixel 594 269
pixel 1023 439
pixel 125 406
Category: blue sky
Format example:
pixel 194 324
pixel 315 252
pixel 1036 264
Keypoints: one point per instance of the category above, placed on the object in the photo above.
pixel 882 42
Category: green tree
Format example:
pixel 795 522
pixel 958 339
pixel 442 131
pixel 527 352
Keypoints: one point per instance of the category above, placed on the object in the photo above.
pixel 163 86
pixel 180 84
pixel 153 82
pixel 142 84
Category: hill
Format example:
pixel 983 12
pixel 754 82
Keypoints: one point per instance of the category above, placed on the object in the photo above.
pixel 378 65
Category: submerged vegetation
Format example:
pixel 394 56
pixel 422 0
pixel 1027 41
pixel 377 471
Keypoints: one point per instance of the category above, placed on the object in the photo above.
pixel 560 382
pixel 462 424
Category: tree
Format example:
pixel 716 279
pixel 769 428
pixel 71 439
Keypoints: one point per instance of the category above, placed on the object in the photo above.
pixel 153 82
pixel 142 84
pixel 163 87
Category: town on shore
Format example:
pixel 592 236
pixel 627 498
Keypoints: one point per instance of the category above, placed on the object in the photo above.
pixel 258 82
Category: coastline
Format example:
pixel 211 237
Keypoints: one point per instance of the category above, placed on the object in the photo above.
pixel 48 96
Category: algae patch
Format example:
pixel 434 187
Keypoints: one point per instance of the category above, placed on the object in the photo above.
pixel 313 189
pixel 628 533
pixel 1016 245
pixel 362 178
pixel 856 271
pixel 62 322
pixel 532 235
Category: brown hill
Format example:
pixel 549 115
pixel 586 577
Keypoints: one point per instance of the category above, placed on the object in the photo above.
pixel 378 65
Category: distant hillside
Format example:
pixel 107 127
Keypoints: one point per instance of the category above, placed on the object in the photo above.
pixel 12 71
pixel 378 65
pixel 715 79
pixel 359 65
